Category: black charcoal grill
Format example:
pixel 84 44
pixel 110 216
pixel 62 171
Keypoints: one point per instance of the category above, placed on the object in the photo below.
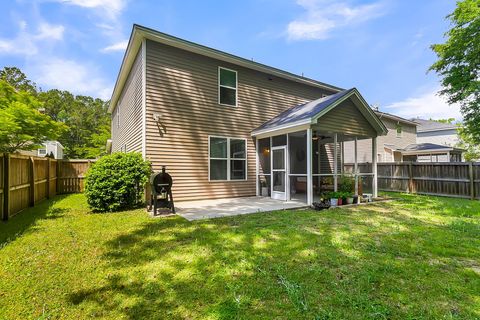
pixel 161 196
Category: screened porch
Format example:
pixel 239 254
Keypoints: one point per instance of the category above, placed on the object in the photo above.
pixel 301 160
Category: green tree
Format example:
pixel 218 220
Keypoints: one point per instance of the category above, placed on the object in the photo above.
pixel 472 149
pixel 89 125
pixel 87 118
pixel 17 79
pixel 446 121
pixel 24 127
pixel 458 64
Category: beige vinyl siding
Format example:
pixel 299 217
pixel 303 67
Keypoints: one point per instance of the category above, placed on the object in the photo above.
pixel 409 136
pixel 129 134
pixel 345 119
pixel 183 88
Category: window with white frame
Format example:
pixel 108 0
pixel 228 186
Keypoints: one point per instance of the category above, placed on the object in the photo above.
pixel 227 87
pixel 227 158
pixel 42 152
pixel 399 130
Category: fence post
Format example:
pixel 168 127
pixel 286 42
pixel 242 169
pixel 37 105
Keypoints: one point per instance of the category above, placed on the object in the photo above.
pixel 6 186
pixel 58 183
pixel 472 181
pixel 31 166
pixel 410 177
pixel 48 178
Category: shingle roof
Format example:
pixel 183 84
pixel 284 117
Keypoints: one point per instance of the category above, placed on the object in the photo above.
pixel 382 114
pixel 425 147
pixel 430 125
pixel 303 111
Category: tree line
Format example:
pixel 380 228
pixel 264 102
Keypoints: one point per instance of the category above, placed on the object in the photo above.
pixel 31 116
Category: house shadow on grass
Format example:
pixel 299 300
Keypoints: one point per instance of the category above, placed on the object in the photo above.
pixel 25 220
pixel 291 265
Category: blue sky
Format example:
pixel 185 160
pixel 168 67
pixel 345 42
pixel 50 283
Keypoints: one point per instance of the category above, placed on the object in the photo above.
pixel 379 46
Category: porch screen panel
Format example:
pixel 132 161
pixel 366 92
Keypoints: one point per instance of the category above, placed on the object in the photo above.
pixel 297 153
pixel 264 155
pixel 297 148
pixel 264 177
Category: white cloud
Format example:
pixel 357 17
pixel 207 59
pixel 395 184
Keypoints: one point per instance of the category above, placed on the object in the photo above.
pixel 119 46
pixel 426 105
pixel 28 43
pixel 110 8
pixel 49 31
pixel 72 76
pixel 323 16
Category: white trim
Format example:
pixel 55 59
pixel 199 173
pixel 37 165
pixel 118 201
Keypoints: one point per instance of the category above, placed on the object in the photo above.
pixel 144 98
pixel 335 162
pixel 220 85
pixel 228 159
pixel 309 167
pixel 277 194
pixel 355 169
pixel 374 167
pixel 257 169
pixel 273 131
pixel 287 170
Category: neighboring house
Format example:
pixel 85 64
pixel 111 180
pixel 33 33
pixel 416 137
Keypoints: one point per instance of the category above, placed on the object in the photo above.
pixel 429 131
pixel 404 142
pixel 225 126
pixel 401 133
pixel 53 147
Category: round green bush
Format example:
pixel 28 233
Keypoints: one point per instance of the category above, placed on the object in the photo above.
pixel 116 182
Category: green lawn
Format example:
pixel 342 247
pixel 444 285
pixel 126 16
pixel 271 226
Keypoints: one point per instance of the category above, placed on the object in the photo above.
pixel 416 258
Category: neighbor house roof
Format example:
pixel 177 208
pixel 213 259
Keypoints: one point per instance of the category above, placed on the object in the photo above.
pixel 427 147
pixel 139 33
pixel 307 113
pixel 390 116
pixel 430 125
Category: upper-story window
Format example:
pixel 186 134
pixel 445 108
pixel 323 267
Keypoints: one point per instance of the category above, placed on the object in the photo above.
pixel 399 130
pixel 227 87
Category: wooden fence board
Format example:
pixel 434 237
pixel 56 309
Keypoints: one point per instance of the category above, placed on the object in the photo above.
pixel 460 179
pixel 34 179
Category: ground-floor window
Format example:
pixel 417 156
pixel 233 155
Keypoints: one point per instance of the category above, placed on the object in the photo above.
pixel 227 158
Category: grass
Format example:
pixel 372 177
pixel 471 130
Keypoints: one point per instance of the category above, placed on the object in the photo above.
pixel 416 258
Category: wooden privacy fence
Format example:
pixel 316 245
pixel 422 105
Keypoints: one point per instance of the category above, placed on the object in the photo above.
pixel 453 179
pixel 25 181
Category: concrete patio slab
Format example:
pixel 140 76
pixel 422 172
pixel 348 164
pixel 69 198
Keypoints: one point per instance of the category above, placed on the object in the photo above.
pixel 207 209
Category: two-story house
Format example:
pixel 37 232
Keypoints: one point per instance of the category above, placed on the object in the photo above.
pixel 430 131
pixel 225 126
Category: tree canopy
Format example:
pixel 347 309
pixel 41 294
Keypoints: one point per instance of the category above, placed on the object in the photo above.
pixel 24 127
pixel 458 64
pixel 85 119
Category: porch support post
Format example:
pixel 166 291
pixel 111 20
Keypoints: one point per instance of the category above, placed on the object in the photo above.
pixel 335 162
pixel 309 167
pixel 342 152
pixel 374 167
pixel 355 168
pixel 257 170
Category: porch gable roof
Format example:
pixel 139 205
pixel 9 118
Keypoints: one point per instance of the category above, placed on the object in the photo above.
pixel 310 112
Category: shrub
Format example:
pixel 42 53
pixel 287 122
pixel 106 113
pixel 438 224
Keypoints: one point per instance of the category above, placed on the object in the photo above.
pixel 116 182
pixel 346 184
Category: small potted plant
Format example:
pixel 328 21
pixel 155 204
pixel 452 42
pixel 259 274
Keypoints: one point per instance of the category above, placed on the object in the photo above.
pixel 350 198
pixel 333 196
